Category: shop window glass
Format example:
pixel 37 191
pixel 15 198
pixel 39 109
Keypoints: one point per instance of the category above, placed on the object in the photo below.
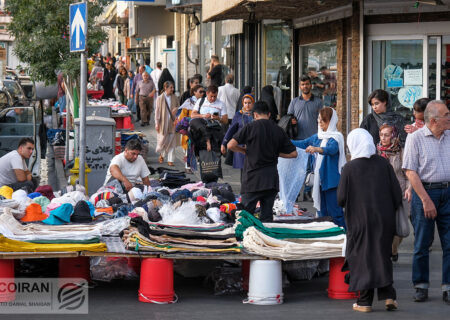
pixel 207 46
pixel 397 67
pixel 318 61
pixel 443 79
pixel 277 56
pixel 277 62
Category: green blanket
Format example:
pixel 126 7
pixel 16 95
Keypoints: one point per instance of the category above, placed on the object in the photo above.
pixel 247 220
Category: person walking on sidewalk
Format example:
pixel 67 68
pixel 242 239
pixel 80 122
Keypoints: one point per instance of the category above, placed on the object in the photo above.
pixel 215 72
pixel 264 142
pixel 165 114
pixel 229 95
pixel 145 90
pixel 137 79
pixel 426 162
pixel 370 193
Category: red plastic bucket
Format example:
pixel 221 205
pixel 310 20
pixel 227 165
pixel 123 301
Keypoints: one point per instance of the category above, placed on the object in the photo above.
pixel 7 290
pixel 156 283
pixel 78 267
pixel 337 288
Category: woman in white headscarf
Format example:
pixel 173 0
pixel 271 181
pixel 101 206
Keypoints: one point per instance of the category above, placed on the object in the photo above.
pixel 328 144
pixel 370 193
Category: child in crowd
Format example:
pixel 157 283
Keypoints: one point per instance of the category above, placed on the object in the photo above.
pixel 419 110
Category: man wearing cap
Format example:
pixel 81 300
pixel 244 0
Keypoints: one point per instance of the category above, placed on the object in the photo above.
pixel 129 167
pixel 13 167
pixel 427 166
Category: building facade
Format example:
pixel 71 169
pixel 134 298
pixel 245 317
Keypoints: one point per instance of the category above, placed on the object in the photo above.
pixel 349 48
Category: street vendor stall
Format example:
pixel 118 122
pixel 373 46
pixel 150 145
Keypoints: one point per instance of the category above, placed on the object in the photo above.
pixel 167 220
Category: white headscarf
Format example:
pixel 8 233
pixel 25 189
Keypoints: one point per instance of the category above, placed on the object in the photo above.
pixel 331 132
pixel 360 143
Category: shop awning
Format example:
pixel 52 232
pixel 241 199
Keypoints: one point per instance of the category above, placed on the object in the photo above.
pixel 213 10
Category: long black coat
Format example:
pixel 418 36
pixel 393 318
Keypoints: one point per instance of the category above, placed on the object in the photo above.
pixel 108 80
pixel 370 193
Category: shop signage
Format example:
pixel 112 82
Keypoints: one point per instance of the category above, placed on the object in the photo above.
pixel 413 77
pixel 392 72
pixel 408 95
pixel 395 83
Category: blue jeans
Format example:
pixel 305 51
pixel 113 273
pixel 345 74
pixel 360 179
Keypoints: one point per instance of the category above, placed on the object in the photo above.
pixel 424 235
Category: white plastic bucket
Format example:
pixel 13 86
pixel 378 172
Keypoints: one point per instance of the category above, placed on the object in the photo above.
pixel 265 287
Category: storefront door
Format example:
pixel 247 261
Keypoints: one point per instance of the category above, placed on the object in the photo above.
pixel 407 68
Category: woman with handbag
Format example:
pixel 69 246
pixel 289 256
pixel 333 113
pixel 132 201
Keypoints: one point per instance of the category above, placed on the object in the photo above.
pixel 389 148
pixel 166 108
pixel 370 193
pixel 185 110
pixel 240 119
pixel 328 144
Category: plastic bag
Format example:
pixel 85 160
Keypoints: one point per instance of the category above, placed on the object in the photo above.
pixel 225 280
pixel 210 166
pixel 110 268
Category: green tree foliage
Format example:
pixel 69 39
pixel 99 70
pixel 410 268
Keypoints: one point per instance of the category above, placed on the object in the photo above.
pixel 41 31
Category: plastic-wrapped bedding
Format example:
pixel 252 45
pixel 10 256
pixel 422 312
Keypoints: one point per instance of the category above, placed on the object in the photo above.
pixel 302 249
pixel 292 173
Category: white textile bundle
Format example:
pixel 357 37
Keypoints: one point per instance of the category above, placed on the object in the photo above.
pixel 186 214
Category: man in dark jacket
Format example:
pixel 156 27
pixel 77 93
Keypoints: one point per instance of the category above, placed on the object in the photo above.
pixel 264 142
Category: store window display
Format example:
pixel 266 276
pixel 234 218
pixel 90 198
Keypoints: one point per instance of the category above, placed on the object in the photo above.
pixel 318 61
pixel 277 63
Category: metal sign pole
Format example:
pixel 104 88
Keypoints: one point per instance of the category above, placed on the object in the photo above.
pixel 82 105
pixel 82 114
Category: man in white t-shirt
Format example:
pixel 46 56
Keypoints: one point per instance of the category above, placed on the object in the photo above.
pixel 13 168
pixel 210 107
pixel 229 95
pixel 129 167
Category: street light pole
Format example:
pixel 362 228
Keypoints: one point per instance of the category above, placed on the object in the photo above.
pixel 83 86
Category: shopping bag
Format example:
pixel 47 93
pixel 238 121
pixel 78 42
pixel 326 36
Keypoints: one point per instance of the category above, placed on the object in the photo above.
pixel 210 166
pixel 402 227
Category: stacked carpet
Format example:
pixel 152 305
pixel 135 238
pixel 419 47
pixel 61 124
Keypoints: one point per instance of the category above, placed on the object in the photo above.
pixel 315 240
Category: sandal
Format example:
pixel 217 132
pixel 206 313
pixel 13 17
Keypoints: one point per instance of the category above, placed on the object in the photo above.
pixel 391 305
pixel 359 308
pixel 161 159
pixel 170 164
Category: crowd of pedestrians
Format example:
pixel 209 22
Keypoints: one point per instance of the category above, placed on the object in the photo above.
pixel 389 164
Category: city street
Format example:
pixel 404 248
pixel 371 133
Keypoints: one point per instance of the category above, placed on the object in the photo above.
pixel 361 86
pixel 303 299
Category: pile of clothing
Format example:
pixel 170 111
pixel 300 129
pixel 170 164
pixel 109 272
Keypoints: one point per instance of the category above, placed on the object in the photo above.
pixel 301 241
pixel 46 221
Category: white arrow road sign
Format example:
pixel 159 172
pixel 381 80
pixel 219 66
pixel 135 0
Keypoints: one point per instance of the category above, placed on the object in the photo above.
pixel 78 27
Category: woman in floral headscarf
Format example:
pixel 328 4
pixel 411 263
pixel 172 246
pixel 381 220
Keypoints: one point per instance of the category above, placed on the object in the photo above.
pixel 389 148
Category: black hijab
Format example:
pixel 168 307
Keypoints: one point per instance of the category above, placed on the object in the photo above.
pixel 267 97
pixel 244 91
pixel 165 76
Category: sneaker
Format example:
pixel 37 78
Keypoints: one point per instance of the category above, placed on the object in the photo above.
pixel 446 296
pixel 421 295
pixel 391 305
pixel 359 308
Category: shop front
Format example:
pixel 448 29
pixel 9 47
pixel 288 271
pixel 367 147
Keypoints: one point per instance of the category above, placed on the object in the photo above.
pixel 413 63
